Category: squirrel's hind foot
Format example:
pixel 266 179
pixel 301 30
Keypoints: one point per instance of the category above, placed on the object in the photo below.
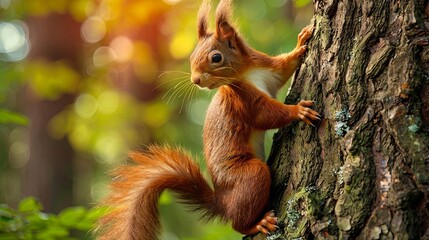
pixel 267 225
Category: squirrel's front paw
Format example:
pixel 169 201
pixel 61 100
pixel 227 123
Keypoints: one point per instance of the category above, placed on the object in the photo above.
pixel 306 114
pixel 299 52
pixel 304 35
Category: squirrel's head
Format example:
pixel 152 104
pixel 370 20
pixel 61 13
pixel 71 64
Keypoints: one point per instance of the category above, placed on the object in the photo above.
pixel 218 58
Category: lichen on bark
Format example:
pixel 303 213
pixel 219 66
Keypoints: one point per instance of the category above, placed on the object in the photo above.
pixel 369 59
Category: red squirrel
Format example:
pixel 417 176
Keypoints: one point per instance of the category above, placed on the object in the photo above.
pixel 239 113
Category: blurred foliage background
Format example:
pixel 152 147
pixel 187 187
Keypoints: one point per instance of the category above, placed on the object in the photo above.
pixel 84 81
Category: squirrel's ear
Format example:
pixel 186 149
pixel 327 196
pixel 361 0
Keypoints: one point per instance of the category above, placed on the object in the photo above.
pixel 202 18
pixel 224 30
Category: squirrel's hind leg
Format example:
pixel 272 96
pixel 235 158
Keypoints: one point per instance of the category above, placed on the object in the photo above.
pixel 246 199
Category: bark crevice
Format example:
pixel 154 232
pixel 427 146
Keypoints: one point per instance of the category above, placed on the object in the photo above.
pixel 364 171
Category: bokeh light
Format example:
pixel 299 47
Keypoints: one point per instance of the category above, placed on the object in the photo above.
pixel 4 4
pixel 108 102
pixel 196 111
pixel 14 43
pixel 93 29
pixel 103 56
pixel 182 45
pixel 86 105
pixel 123 48
pixel 19 151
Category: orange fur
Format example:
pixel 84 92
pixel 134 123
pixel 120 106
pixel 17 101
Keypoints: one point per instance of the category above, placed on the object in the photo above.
pixel 136 189
pixel 247 79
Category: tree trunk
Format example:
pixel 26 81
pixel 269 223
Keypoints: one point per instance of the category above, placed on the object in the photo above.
pixel 363 172
pixel 48 175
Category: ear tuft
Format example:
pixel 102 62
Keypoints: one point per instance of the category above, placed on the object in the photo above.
pixel 224 29
pixel 203 18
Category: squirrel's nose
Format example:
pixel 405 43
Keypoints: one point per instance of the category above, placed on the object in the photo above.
pixel 196 79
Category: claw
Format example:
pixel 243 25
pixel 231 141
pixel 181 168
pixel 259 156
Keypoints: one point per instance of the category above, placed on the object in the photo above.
pixel 306 114
pixel 305 34
pixel 268 223
pixel 262 229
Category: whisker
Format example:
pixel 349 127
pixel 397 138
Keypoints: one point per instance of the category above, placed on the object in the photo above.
pixel 187 91
pixel 184 89
pixel 171 80
pixel 235 85
pixel 174 93
pixel 172 72
pixel 191 93
pixel 223 68
pixel 209 93
pixel 173 88
pixel 224 80
pixel 177 92
pixel 195 91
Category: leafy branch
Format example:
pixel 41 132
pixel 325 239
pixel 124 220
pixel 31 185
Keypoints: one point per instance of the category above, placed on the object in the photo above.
pixel 29 222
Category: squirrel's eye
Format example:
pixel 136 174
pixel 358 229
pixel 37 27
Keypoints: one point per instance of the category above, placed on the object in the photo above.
pixel 216 58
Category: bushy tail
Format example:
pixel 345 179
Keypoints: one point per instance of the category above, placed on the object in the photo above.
pixel 136 189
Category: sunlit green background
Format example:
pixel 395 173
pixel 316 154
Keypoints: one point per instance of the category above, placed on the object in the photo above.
pixel 82 82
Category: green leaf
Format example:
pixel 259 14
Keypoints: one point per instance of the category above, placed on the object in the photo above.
pixel 14 225
pixel 84 225
pixel 53 232
pixel 71 216
pixel 97 212
pixel 11 117
pixel 29 204
pixel 91 217
pixel 6 212
pixel 38 220
pixel 7 236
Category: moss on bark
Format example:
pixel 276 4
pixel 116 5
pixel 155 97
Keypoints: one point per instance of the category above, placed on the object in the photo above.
pixel 367 162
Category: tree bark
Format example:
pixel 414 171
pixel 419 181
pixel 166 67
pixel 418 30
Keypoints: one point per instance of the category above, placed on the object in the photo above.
pixel 363 172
